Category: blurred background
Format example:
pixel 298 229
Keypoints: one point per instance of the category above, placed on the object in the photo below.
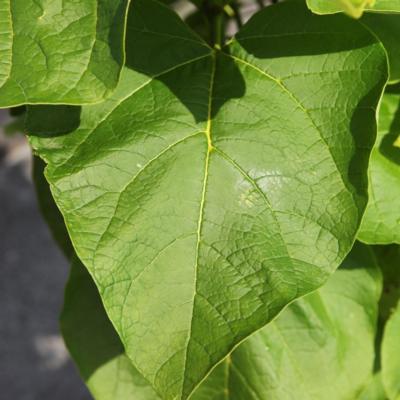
pixel 33 272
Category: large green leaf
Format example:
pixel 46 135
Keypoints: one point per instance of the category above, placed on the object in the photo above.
pixel 381 222
pixel 308 352
pixel 355 8
pixel 215 187
pixel 391 356
pixel 60 51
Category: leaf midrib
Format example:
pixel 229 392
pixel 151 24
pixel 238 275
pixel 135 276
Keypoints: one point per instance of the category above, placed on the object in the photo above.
pixel 202 203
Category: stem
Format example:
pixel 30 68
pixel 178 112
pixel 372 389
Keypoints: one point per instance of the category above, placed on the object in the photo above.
pixel 216 20
pixel 238 17
pixel 218 30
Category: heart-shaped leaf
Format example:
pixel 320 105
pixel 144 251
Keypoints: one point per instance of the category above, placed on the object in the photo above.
pixel 215 187
pixel 60 51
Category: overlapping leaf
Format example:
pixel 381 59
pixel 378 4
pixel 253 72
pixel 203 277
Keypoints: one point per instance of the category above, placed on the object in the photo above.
pixel 214 187
pixel 381 222
pixel 355 8
pixel 307 353
pixel 54 51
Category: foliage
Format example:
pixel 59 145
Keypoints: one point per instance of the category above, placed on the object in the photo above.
pixel 210 186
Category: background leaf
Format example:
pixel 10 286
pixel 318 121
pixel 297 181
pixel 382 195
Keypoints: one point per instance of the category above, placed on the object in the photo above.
pixel 355 8
pixel 381 221
pixel 181 192
pixel 60 51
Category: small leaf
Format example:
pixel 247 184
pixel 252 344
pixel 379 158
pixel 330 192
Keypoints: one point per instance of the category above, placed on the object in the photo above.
pixel 215 187
pixel 381 221
pixel 354 8
pixel 60 51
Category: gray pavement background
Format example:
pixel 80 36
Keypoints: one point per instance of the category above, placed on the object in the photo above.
pixel 34 364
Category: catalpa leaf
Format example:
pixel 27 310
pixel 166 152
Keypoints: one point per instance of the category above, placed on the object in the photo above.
pixel 391 356
pixel 60 51
pixel 289 356
pixel 354 8
pixel 381 222
pixel 214 187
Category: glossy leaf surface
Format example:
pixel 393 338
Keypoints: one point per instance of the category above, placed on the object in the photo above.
pixel 60 51
pixel 381 222
pixel 215 187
